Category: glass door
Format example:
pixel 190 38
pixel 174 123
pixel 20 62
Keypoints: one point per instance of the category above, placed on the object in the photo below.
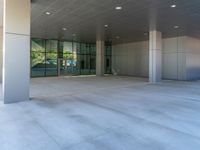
pixel 68 59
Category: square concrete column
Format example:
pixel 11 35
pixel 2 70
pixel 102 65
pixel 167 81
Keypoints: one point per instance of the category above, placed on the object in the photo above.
pixel 16 50
pixel 1 53
pixel 155 56
pixel 100 48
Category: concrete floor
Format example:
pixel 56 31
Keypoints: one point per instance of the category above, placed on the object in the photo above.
pixel 108 113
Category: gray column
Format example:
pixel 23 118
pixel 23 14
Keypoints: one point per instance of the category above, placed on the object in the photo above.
pixel 16 50
pixel 100 48
pixel 155 56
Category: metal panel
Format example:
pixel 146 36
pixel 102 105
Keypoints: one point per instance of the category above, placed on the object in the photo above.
pixel 82 17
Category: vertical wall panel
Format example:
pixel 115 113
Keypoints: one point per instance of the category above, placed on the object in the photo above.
pixel 132 58
pixel 193 58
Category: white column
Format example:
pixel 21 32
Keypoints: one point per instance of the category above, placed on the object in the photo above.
pixel 100 48
pixel 155 56
pixel 1 52
pixel 16 50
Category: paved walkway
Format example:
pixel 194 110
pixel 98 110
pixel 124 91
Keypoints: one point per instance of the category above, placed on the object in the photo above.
pixel 108 113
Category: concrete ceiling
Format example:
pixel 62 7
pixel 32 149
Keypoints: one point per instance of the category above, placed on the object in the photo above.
pixel 83 17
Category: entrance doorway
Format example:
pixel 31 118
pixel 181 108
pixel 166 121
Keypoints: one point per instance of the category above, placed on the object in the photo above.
pixel 67 67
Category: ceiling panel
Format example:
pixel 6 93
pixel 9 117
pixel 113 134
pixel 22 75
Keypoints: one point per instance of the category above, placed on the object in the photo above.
pixel 83 17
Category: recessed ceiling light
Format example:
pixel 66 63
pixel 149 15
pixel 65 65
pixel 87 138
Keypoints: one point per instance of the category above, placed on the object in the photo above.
pixel 106 25
pixel 117 37
pixel 64 29
pixel 74 34
pixel 176 27
pixel 47 13
pixel 118 8
pixel 173 6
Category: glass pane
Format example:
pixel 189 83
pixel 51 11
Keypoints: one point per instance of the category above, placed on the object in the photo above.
pixel 51 46
pixel 92 64
pixel 51 64
pixel 68 55
pixel 76 67
pixel 108 49
pixel 38 45
pixel 78 48
pixel 67 47
pixel 93 49
pixel 75 47
pixel 108 64
pixel 70 66
pixel 75 58
pixel 83 48
pixel 60 46
pixel 62 67
pixel 88 48
pixel 37 64
pixel 85 64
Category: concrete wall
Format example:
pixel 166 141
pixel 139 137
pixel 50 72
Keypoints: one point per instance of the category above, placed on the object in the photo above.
pixel 131 59
pixel 192 58
pixel 180 58
pixel 174 58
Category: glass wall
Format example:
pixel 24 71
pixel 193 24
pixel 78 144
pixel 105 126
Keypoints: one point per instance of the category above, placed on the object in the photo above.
pixel 38 58
pixel 53 58
pixel 108 58
pixel 87 58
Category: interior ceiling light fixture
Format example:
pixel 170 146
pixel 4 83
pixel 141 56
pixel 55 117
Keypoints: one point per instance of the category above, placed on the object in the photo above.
pixel 118 8
pixel 176 27
pixel 47 13
pixel 106 25
pixel 74 34
pixel 64 29
pixel 173 6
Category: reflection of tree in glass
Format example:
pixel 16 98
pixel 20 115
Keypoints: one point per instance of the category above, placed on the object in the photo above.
pixel 37 58
pixel 51 59
pixel 52 55
pixel 37 54
pixel 68 55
